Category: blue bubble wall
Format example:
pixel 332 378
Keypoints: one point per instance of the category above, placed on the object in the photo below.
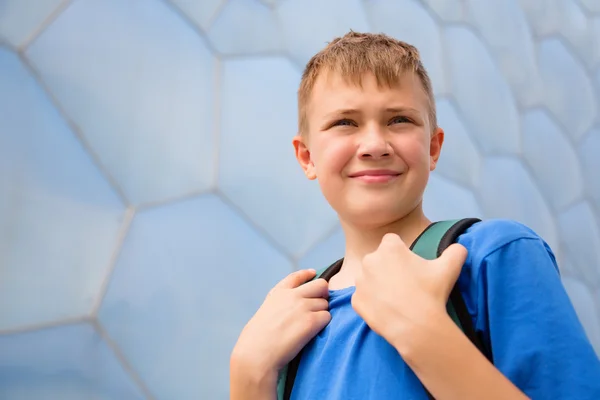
pixel 149 196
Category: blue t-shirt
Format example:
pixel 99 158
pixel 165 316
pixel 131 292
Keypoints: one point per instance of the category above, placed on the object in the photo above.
pixel 513 291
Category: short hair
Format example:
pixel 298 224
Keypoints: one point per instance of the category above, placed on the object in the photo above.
pixel 355 54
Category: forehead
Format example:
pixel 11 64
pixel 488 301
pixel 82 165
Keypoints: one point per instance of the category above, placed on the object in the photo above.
pixel 332 91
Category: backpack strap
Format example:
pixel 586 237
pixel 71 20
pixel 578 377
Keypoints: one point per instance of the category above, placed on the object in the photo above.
pixel 430 244
pixel 287 375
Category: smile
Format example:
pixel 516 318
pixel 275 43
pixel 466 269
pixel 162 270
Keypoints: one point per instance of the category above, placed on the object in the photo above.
pixel 376 176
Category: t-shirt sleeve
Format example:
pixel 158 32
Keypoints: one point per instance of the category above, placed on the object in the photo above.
pixel 536 337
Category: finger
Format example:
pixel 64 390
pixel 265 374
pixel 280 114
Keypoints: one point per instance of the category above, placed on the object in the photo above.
pixel 296 279
pixel 317 304
pixel 453 259
pixel 319 288
pixel 320 319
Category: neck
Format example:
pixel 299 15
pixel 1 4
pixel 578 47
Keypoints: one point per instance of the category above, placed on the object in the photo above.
pixel 362 240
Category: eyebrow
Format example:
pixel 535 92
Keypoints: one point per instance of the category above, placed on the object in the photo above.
pixel 351 111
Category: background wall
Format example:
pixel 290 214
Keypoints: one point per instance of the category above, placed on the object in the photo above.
pixel 149 196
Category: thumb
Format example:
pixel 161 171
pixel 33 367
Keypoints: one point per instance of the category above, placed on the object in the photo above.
pixel 452 260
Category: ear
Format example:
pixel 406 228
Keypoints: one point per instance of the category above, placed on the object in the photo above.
pixel 303 156
pixel 435 147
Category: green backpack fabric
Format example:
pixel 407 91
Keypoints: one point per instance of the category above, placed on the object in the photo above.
pixel 429 245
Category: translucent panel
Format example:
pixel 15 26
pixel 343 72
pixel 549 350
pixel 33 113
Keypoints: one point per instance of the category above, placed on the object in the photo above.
pixel 256 171
pixel 189 277
pixel 460 159
pixel 141 92
pixel 483 95
pixel 591 5
pixel 448 10
pixel 544 16
pixel 308 25
pixel 586 309
pixel 552 158
pixel 446 200
pixel 246 27
pixel 20 20
pixel 581 237
pixel 67 363
pixel 325 252
pixel 59 218
pixel 579 30
pixel 201 12
pixel 588 152
pixel 568 90
pixel 505 29
pixel 507 191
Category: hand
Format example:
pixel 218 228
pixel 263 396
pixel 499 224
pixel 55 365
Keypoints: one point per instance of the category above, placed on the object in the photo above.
pixel 399 294
pixel 293 313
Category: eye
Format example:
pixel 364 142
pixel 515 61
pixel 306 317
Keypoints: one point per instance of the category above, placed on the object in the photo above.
pixel 399 120
pixel 343 122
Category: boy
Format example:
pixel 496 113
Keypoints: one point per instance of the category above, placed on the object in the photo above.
pixel 379 328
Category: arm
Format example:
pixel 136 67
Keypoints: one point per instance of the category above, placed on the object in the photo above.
pixel 522 308
pixel 249 382
pixel 293 313
pixel 451 367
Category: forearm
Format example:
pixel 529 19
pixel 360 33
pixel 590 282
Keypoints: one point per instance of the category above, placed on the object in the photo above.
pixel 250 383
pixel 451 367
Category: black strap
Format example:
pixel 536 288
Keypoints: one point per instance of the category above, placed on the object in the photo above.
pixel 456 297
pixel 295 363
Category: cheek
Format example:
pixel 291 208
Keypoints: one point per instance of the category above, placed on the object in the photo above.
pixel 331 158
pixel 414 152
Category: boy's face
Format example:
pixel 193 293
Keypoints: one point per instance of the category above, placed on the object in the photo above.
pixel 371 148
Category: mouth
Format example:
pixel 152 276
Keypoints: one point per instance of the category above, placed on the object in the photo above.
pixel 376 175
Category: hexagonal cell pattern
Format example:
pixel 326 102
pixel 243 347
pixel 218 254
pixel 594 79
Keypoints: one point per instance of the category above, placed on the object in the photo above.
pixel 581 237
pixel 255 168
pixel 579 31
pixel 460 159
pixel 505 29
pixel 59 218
pixel 68 362
pixel 246 27
pixel 448 10
pixel 410 22
pixel 325 21
pixel 587 311
pixel 591 5
pixel 446 200
pixel 488 106
pixel 568 90
pixel 19 21
pixel 141 92
pixel 552 158
pixel 196 285
pixel 148 104
pixel 544 16
pixel 588 151
pixel 201 12
pixel 507 191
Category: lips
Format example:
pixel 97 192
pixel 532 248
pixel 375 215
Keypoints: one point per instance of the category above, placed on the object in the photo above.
pixel 376 176
pixel 375 172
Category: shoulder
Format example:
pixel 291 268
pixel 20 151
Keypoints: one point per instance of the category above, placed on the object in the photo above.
pixel 487 238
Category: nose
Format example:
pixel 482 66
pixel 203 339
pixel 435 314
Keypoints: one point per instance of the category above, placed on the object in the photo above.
pixel 374 145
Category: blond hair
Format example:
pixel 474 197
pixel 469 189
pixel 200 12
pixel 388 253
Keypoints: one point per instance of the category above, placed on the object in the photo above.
pixel 355 54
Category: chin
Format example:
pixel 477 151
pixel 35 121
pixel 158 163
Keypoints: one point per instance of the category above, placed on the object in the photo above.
pixel 372 216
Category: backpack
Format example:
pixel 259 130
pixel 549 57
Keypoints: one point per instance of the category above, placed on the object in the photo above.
pixel 430 244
